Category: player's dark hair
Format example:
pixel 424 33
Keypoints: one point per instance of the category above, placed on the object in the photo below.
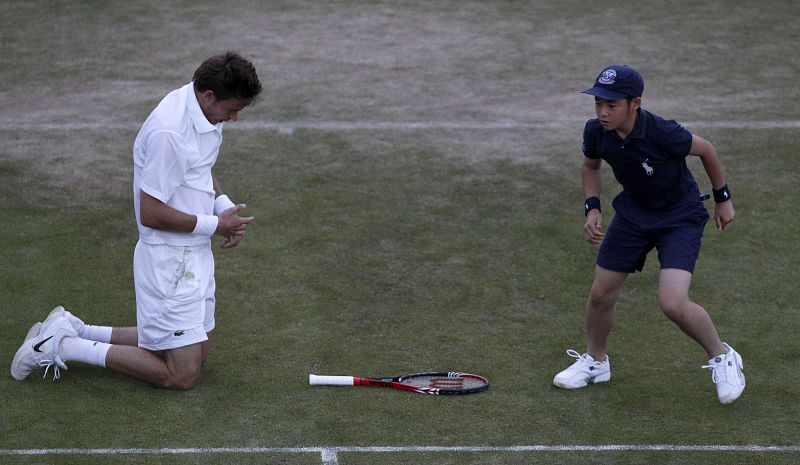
pixel 229 76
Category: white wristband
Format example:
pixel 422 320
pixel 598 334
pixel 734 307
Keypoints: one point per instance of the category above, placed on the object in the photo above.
pixel 206 225
pixel 222 203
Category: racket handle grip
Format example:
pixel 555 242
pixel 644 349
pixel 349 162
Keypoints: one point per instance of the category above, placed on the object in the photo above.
pixel 315 380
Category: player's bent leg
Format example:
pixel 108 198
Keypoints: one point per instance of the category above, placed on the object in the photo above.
pixel 170 369
pixel 595 367
pixel 726 365
pixel 184 364
pixel 601 309
pixel 691 318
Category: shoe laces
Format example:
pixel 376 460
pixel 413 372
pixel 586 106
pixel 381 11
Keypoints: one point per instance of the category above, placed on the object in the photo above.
pixel 47 363
pixel 717 371
pixel 583 358
pixel 582 361
pixel 574 354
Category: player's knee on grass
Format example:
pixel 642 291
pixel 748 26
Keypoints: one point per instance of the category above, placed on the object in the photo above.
pixel 183 367
pixel 182 379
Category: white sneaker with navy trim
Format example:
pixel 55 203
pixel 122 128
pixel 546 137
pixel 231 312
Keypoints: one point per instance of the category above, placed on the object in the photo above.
pixel 727 372
pixel 585 371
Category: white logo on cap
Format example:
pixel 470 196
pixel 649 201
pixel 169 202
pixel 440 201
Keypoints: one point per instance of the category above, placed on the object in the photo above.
pixel 607 77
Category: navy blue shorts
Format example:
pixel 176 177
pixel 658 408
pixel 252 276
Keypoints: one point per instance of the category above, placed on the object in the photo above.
pixel 677 240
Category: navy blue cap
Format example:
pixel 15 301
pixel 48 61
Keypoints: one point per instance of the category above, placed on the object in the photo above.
pixel 617 82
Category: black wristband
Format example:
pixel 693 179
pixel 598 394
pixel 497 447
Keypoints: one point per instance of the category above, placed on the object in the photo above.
pixel 722 194
pixel 590 204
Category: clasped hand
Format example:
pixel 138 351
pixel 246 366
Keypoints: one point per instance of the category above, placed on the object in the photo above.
pixel 232 227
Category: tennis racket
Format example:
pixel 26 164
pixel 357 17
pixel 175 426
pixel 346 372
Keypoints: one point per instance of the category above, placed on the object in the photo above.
pixel 433 383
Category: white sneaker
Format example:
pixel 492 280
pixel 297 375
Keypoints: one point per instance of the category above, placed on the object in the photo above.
pixel 727 372
pixel 583 372
pixel 59 312
pixel 41 348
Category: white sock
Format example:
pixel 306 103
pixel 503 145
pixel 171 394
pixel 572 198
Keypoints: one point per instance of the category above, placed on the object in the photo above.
pixel 96 333
pixel 84 350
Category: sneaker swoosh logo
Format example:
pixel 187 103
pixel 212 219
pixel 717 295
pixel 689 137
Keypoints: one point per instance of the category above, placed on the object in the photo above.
pixel 39 345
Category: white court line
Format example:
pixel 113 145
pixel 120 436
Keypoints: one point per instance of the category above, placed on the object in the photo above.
pixel 330 455
pixel 288 127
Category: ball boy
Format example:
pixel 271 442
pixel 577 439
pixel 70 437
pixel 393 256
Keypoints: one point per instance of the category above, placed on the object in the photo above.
pixel 659 207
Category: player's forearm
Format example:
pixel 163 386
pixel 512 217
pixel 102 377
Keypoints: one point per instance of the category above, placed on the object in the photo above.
pixel 715 172
pixel 157 215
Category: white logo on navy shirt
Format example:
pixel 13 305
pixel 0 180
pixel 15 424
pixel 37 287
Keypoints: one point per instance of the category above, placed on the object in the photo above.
pixel 607 77
pixel 647 168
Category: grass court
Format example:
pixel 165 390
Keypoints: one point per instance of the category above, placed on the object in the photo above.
pixel 414 171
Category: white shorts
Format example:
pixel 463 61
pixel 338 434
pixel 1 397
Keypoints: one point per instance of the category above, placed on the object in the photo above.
pixel 174 294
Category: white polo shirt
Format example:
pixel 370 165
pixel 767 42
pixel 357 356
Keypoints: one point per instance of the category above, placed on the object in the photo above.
pixel 172 159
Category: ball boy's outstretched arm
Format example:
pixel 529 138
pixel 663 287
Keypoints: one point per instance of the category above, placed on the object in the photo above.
pixel 723 211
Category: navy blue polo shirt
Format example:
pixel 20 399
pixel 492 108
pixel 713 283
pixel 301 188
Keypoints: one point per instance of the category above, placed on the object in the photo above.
pixel 650 163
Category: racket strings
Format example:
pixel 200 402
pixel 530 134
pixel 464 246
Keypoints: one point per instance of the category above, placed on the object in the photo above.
pixel 445 382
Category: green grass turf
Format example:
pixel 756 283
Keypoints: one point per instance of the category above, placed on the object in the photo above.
pixel 380 266
pixel 383 252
